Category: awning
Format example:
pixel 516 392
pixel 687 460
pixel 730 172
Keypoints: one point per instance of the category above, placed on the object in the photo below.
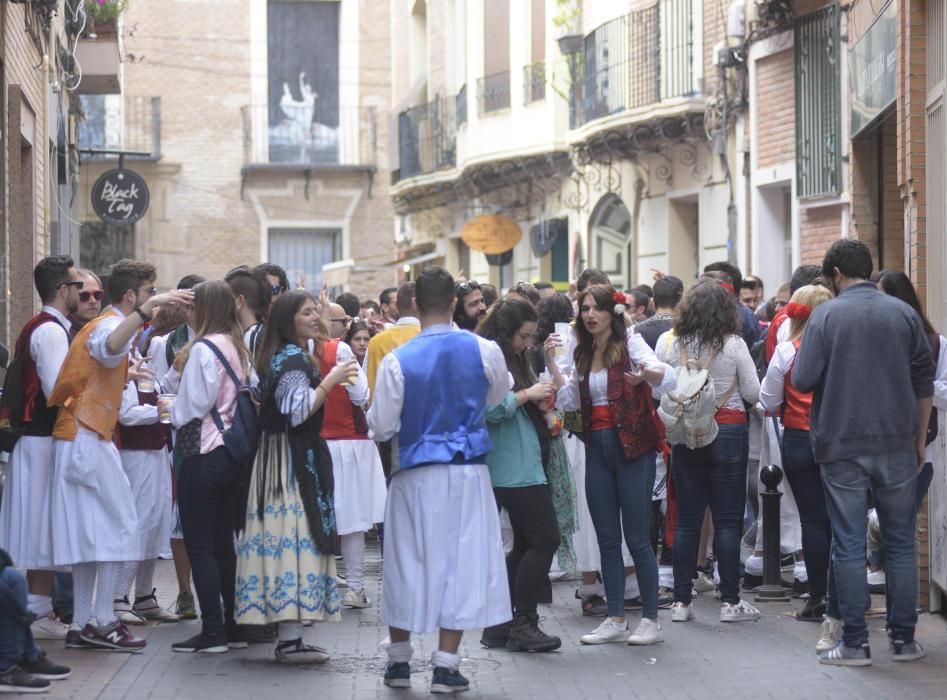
pixel 336 274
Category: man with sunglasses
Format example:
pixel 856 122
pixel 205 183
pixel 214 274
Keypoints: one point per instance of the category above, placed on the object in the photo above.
pixel 90 300
pixel 276 280
pixel 24 524
pixel 471 307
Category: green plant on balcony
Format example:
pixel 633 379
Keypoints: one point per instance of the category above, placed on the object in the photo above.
pixel 102 15
pixel 567 17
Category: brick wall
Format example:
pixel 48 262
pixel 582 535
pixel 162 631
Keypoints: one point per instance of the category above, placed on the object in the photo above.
pixel 819 227
pixel 715 31
pixel 776 99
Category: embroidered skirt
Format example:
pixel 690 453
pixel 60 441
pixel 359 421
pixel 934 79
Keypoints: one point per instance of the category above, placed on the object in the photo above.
pixel 281 575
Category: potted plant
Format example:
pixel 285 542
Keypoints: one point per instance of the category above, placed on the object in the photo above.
pixel 102 17
pixel 567 21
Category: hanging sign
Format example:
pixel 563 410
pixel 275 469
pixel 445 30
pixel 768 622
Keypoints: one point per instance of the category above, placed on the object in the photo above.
pixel 120 197
pixel 873 69
pixel 491 234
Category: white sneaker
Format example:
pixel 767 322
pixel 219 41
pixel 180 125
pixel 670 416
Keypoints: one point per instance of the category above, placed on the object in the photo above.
pixel 355 599
pixel 147 608
pixel 703 583
pixel 681 612
pixel 647 632
pixel 606 633
pixel 829 635
pixel 741 612
pixel 125 614
pixel 48 627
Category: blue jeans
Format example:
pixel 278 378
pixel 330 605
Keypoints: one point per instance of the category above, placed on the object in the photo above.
pixel 891 479
pixel 805 479
pixel 618 491
pixel 16 640
pixel 714 475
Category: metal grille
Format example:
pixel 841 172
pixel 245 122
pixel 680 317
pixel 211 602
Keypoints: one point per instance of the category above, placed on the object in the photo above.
pixel 303 252
pixel 677 48
pixel 493 92
pixel 935 43
pixel 534 82
pixel 818 103
pixel 461 105
pixel 427 137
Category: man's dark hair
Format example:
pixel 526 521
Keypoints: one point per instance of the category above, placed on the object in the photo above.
pixel 732 271
pixel 371 304
pixel 275 270
pixel 50 274
pixel 803 275
pixel 490 294
pixel 668 292
pixel 350 303
pixel 129 274
pixel 385 296
pixel 190 281
pixel 639 298
pixel 590 276
pixel 543 285
pixel 646 289
pixel 851 257
pixel 405 299
pixel 252 287
pixel 434 290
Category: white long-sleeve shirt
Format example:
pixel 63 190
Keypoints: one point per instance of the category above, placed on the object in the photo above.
pixel 49 344
pixel 940 377
pixel 384 416
pixel 99 338
pixel 132 413
pixel 639 352
pixel 773 388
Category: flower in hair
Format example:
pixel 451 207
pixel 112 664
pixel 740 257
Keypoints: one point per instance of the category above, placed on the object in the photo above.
pixel 800 312
pixel 621 303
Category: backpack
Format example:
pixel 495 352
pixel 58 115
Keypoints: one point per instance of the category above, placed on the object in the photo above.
pixel 243 436
pixel 758 353
pixel 689 411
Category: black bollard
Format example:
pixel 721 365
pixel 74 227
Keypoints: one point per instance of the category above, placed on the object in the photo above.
pixel 772 589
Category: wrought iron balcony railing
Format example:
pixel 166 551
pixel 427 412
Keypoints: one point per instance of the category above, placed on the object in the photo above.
pixel 121 123
pixel 534 82
pixel 493 92
pixel 427 137
pixel 296 134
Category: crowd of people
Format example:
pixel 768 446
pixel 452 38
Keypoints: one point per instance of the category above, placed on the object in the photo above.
pixel 256 433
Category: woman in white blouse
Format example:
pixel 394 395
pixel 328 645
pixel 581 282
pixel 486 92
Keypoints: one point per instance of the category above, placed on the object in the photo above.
pixel 208 485
pixel 779 397
pixel 706 332
pixel 610 381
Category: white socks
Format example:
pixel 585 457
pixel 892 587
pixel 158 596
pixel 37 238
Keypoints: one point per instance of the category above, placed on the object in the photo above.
pixel 39 605
pixel 353 554
pixel 289 631
pixel 587 590
pixel 441 659
pixel 799 572
pixel 109 578
pixel 400 652
pixel 83 588
pixel 754 565
pixel 145 578
pixel 125 578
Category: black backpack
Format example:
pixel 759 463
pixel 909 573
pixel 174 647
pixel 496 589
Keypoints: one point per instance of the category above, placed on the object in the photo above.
pixel 243 436
pixel 758 353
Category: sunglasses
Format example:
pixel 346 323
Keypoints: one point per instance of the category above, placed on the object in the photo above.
pixel 98 295
pixel 277 289
pixel 468 286
pixel 346 320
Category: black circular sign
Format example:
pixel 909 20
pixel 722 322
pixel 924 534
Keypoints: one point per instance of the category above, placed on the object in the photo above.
pixel 120 197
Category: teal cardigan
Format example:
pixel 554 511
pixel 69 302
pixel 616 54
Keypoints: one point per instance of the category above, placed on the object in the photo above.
pixel 516 459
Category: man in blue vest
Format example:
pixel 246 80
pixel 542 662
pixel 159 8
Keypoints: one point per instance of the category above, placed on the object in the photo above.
pixel 444 565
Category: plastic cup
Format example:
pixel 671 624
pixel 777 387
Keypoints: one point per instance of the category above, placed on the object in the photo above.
pixel 164 407
pixel 146 385
pixel 564 331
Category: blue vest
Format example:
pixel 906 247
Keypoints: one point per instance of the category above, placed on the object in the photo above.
pixel 445 399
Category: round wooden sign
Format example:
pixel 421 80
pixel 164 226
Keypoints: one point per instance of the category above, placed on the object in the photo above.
pixel 491 234
pixel 120 197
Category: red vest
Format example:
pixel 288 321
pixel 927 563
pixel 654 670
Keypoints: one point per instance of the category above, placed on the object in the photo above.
pixel 38 418
pixel 156 436
pixel 796 404
pixel 342 420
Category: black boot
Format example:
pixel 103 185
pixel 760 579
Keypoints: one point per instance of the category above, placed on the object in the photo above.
pixel 813 610
pixel 496 636
pixel 525 635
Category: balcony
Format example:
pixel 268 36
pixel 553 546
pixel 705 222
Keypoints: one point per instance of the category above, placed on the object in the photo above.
pixel 100 58
pixel 427 137
pixel 119 123
pixel 295 136
pixel 534 82
pixel 634 61
pixel 493 93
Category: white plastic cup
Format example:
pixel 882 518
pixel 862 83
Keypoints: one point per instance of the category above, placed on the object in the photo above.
pixel 564 331
pixel 164 407
pixel 146 385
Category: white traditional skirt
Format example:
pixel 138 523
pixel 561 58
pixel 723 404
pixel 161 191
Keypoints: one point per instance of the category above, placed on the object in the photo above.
pixel 587 555
pixel 444 566
pixel 281 575
pixel 92 509
pixel 149 474
pixel 24 513
pixel 359 493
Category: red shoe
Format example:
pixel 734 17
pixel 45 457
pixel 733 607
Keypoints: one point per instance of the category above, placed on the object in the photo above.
pixel 115 636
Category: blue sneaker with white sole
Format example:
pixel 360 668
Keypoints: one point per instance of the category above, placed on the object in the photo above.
pixel 446 681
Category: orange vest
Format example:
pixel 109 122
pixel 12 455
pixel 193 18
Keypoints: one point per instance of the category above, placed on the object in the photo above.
pixel 87 391
pixel 796 404
pixel 342 420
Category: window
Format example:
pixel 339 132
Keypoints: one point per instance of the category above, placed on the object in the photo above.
pixel 818 103
pixel 303 251
pixel 534 73
pixel 494 87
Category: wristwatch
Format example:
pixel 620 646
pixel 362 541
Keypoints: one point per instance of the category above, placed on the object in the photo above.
pixel 144 318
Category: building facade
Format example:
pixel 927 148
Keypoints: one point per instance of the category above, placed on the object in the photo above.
pixel 39 165
pixel 600 128
pixel 259 127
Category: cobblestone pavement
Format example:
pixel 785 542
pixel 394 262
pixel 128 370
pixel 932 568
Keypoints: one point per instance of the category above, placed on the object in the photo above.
pixel 772 658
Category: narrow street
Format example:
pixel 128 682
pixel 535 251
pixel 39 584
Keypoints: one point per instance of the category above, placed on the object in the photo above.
pixel 772 658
